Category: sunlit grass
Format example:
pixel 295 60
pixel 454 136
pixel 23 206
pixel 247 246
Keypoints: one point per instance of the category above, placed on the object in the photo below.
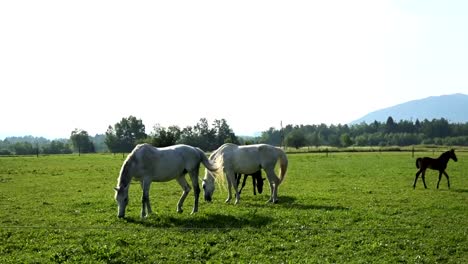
pixel 344 207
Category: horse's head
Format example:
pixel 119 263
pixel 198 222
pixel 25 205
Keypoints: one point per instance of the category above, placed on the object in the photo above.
pixel 208 185
pixel 121 196
pixel 452 155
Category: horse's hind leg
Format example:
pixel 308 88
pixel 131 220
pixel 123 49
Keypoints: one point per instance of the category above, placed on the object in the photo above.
pixel 274 182
pixel 416 179
pixel 185 191
pixel 196 189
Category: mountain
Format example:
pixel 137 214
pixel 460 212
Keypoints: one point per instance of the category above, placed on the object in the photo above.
pixel 452 107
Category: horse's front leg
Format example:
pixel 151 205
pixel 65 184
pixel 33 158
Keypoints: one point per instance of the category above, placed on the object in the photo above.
pixel 229 190
pixel 231 176
pixel 423 176
pixel 440 177
pixel 448 181
pixel 185 191
pixel 236 188
pixel 145 201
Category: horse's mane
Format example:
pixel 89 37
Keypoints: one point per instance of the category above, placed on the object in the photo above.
pixel 124 176
pixel 446 154
pixel 218 158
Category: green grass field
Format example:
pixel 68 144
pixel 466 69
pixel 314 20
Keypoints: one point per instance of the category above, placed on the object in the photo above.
pixel 344 208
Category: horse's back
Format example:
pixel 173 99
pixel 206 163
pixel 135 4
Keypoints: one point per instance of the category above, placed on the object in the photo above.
pixel 263 154
pixel 427 162
pixel 167 163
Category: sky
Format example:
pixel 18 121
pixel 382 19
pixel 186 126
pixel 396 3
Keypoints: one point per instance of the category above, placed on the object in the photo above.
pixel 257 64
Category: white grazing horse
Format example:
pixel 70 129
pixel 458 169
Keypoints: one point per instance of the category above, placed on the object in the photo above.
pixel 147 164
pixel 245 160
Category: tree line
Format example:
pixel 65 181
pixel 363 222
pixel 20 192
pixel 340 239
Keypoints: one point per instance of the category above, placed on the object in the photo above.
pixel 389 133
pixel 123 136
pixel 129 131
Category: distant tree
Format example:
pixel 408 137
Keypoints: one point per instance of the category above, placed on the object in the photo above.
pixel 271 136
pixel 81 141
pixel 206 136
pixel 163 137
pixel 313 139
pixel 390 125
pixel 99 141
pixel 187 136
pixel 296 138
pixel 24 148
pixel 223 133
pixel 345 140
pixel 125 134
pixel 112 142
pixel 57 147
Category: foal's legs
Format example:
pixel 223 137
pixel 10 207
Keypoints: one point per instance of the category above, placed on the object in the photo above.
pixel 448 181
pixel 243 182
pixel 185 191
pixel 423 176
pixel 254 183
pixel 440 177
pixel 145 201
pixel 416 178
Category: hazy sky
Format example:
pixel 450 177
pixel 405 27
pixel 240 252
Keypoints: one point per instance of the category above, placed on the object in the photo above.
pixel 87 64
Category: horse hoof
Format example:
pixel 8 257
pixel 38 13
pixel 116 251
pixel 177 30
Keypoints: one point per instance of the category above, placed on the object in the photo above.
pixel 179 211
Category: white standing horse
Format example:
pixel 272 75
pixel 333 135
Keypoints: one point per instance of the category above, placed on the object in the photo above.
pixel 245 160
pixel 147 164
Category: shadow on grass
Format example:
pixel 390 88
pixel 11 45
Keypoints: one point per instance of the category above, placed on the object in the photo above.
pixel 460 190
pixel 207 221
pixel 291 202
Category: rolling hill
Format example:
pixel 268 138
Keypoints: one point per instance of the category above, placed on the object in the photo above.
pixel 452 107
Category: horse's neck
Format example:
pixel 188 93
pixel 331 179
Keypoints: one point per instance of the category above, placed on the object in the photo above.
pixel 124 181
pixel 444 157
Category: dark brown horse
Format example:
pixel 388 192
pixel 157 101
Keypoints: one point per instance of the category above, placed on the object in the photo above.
pixel 257 181
pixel 439 164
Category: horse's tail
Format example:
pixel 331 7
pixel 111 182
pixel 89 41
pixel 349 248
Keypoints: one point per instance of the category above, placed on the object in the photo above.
pixel 283 165
pixel 418 161
pixel 207 163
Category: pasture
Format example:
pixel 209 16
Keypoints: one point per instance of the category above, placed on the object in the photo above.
pixel 344 208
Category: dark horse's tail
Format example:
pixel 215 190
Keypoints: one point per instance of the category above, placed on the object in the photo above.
pixel 418 160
